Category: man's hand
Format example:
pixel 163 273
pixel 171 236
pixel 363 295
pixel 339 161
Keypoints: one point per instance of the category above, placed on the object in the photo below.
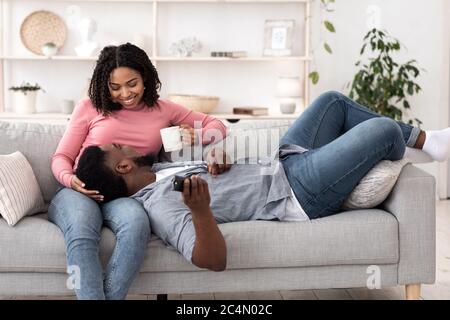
pixel 218 161
pixel 196 195
pixel 209 250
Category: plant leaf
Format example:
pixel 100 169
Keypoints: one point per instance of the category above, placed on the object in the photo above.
pixel 406 104
pixel 327 48
pixel 314 76
pixel 363 49
pixel 329 26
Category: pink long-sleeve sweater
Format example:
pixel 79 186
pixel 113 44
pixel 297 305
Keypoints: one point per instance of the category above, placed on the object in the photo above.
pixel 138 127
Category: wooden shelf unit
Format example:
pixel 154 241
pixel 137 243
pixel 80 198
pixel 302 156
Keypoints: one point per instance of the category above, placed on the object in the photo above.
pixel 304 59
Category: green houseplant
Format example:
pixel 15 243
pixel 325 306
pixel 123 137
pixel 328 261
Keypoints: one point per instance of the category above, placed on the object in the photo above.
pixel 26 87
pixel 382 84
pixel 24 97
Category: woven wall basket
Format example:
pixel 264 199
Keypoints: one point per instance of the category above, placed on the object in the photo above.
pixel 41 27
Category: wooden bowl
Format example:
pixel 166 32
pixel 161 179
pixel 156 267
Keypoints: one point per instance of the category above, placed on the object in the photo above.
pixel 204 104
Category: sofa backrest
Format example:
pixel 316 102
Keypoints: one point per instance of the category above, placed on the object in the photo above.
pixel 38 143
pixel 254 139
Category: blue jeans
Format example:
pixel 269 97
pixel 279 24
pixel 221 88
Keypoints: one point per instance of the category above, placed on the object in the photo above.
pixel 80 219
pixel 345 140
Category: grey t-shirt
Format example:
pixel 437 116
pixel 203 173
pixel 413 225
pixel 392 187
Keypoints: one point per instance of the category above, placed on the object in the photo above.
pixel 245 192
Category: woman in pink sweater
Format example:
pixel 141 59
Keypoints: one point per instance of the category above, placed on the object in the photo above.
pixel 123 108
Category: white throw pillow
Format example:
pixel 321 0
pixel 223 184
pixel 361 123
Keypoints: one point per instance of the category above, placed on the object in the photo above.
pixel 20 194
pixel 375 187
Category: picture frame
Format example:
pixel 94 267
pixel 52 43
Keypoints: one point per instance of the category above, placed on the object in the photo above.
pixel 278 37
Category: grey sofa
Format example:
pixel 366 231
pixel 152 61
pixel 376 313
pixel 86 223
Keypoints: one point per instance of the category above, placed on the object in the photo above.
pixel 398 238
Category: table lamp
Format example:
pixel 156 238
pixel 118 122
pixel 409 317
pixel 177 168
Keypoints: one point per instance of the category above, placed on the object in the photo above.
pixel 288 90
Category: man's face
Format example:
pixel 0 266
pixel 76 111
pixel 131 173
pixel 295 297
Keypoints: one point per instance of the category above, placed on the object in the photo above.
pixel 116 153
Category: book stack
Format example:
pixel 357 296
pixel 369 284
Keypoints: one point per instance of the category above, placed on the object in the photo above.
pixel 253 111
pixel 229 54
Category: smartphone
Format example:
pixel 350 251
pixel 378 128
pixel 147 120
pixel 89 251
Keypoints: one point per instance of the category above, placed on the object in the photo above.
pixel 178 183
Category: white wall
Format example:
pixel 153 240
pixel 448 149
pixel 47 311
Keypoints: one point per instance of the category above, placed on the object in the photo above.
pixel 448 68
pixel 421 26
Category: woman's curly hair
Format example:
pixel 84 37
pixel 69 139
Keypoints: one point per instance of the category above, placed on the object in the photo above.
pixel 125 55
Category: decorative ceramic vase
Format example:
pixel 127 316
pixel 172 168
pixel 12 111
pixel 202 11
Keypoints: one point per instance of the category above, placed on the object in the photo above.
pixel 67 106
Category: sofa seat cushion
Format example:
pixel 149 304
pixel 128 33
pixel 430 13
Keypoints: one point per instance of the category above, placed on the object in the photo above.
pixel 353 237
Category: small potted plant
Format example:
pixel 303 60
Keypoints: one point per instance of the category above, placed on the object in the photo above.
pixel 25 97
pixel 49 49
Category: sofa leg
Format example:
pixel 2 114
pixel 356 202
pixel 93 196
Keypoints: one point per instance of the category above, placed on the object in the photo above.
pixel 161 297
pixel 412 291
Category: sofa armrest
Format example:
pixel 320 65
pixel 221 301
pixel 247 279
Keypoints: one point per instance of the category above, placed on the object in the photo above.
pixel 413 202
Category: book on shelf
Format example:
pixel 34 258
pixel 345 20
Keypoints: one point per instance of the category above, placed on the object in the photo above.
pixel 229 54
pixel 253 111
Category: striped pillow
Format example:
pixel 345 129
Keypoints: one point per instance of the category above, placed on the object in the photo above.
pixel 20 194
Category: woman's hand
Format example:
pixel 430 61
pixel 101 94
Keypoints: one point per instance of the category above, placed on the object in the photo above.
pixel 218 161
pixel 189 136
pixel 78 185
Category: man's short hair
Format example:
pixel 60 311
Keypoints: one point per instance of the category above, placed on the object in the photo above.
pixel 92 170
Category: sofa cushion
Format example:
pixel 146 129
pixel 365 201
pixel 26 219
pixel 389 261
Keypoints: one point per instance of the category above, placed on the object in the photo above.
pixel 20 194
pixel 354 237
pixel 37 142
pixel 376 185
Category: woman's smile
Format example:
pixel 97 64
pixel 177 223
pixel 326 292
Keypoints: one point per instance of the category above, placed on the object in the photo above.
pixel 129 101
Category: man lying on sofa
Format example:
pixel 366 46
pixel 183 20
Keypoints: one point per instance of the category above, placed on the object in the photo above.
pixel 188 220
pixel 345 141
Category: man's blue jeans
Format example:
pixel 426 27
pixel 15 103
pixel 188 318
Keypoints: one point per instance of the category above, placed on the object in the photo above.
pixel 80 219
pixel 345 140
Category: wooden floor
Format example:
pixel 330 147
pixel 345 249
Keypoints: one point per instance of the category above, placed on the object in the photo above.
pixel 439 291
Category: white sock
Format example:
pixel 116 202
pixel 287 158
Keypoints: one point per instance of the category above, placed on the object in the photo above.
pixel 417 155
pixel 437 144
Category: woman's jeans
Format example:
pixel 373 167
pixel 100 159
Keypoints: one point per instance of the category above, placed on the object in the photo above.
pixel 80 218
pixel 345 140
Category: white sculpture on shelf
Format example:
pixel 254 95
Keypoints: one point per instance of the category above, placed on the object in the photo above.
pixel 185 47
pixel 87 28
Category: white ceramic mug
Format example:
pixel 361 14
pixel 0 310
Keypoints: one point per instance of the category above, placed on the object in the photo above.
pixel 172 138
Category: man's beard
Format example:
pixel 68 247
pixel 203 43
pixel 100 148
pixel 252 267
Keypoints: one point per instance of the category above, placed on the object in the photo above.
pixel 145 161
